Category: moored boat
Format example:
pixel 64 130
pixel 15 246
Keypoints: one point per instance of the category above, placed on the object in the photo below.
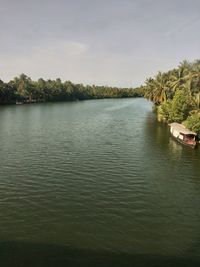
pixel 183 135
pixel 19 102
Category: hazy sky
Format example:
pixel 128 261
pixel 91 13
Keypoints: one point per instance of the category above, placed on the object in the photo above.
pixel 113 42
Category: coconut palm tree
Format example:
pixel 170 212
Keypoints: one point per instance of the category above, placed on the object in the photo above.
pixel 161 88
pixel 149 88
pixel 178 78
pixel 193 79
pixel 157 89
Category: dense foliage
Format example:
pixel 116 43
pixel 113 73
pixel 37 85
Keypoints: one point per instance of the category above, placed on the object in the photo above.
pixel 193 122
pixel 23 89
pixel 176 94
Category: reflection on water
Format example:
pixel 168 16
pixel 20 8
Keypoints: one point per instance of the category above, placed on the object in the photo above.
pixel 175 148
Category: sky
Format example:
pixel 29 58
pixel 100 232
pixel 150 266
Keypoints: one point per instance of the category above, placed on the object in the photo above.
pixel 103 42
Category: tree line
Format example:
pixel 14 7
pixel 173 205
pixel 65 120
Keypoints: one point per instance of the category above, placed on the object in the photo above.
pixel 24 90
pixel 176 94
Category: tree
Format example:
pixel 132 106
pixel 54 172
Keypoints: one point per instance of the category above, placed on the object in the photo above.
pixel 193 122
pixel 181 105
pixel 164 111
pixel 177 79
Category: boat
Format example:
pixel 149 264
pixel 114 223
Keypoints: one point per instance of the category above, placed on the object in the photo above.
pixel 19 102
pixel 183 135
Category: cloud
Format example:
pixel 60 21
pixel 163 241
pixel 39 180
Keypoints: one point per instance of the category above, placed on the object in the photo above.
pixel 46 60
pixel 57 49
pixel 69 60
pixel 79 63
pixel 182 27
pixel 85 63
pixel 103 42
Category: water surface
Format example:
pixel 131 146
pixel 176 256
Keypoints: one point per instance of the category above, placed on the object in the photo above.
pixel 99 179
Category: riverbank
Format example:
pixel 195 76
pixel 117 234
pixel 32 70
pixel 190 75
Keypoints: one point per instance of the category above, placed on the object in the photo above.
pixel 176 95
pixel 24 90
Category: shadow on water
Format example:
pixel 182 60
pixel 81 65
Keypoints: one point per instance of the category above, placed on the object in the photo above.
pixel 21 254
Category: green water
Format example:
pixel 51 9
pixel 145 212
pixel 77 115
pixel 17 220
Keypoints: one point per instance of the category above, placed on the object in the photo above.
pixel 96 183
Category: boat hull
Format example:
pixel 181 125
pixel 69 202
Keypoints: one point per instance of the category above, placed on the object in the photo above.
pixel 184 143
pixel 183 135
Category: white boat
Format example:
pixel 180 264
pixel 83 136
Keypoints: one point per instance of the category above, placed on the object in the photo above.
pixel 183 135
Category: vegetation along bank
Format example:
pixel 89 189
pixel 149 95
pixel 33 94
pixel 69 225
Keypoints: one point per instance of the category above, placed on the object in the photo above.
pixel 176 95
pixel 24 90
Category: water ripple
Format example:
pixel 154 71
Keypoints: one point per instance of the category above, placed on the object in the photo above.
pixel 97 174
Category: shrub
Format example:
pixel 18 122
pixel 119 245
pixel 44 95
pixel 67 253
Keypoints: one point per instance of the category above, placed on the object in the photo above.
pixel 193 122
pixel 181 104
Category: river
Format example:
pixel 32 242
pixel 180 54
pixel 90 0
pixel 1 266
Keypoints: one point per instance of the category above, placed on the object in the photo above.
pixel 96 182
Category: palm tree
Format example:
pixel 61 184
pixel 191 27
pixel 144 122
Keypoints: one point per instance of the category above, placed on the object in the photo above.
pixel 149 89
pixel 193 78
pixel 178 79
pixel 161 88
pixel 156 89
